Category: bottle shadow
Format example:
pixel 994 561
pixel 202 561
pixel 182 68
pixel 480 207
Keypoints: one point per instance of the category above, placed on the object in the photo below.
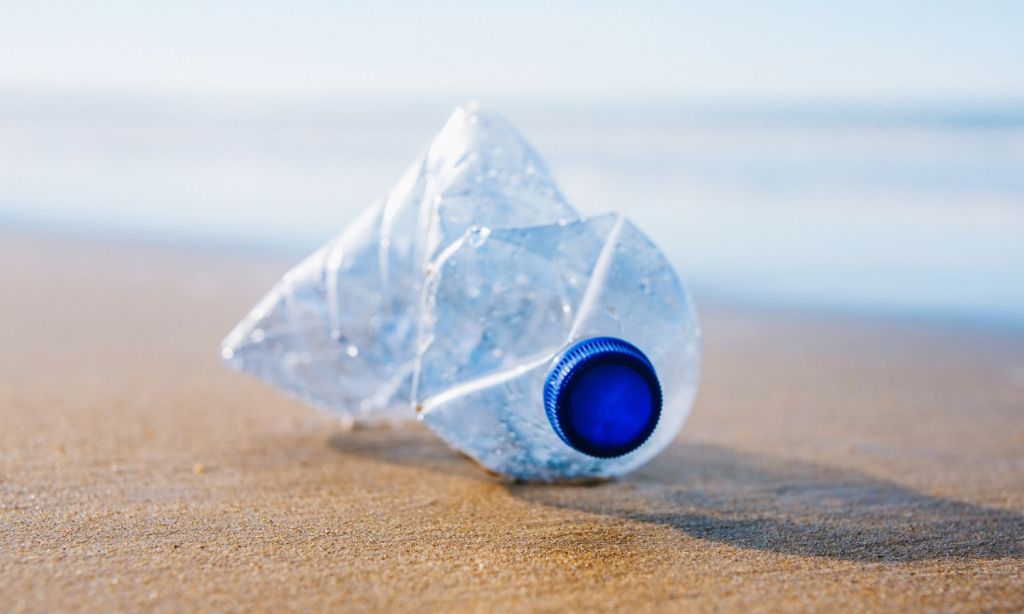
pixel 754 502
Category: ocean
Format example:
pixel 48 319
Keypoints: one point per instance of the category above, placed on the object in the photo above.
pixel 912 209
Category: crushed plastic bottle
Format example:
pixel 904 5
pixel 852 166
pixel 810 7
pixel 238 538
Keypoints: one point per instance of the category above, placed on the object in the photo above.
pixel 543 345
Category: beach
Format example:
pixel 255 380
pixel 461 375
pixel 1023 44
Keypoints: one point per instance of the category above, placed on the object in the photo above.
pixel 832 461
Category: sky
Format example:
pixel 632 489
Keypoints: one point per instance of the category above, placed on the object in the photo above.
pixel 788 50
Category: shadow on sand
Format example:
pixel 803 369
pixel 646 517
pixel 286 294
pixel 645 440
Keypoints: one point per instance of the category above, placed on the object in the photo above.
pixel 789 507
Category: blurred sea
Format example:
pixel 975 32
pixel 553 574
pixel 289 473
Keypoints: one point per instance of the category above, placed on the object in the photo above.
pixel 907 210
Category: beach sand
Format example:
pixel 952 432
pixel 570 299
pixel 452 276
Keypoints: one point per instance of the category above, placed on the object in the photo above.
pixel 831 462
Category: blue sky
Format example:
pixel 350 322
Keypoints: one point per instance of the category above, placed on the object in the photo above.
pixel 786 50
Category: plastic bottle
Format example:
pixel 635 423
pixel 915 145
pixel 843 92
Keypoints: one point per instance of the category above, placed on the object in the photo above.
pixel 543 345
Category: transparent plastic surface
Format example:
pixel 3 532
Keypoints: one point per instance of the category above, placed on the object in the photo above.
pixel 456 294
pixel 339 330
pixel 500 308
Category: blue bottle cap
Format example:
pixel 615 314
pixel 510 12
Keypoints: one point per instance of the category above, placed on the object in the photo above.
pixel 602 397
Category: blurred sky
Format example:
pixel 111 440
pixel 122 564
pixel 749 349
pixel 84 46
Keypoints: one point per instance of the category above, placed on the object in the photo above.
pixel 788 49
pixel 851 154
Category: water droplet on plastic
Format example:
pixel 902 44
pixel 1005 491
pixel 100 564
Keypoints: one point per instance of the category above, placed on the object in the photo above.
pixel 257 335
pixel 352 350
pixel 477 236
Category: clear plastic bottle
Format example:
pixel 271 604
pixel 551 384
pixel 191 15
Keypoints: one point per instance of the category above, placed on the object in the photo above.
pixel 543 345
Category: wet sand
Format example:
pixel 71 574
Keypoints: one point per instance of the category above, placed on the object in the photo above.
pixel 830 462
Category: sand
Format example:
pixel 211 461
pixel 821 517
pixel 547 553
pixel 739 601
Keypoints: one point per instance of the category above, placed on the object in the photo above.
pixel 830 462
